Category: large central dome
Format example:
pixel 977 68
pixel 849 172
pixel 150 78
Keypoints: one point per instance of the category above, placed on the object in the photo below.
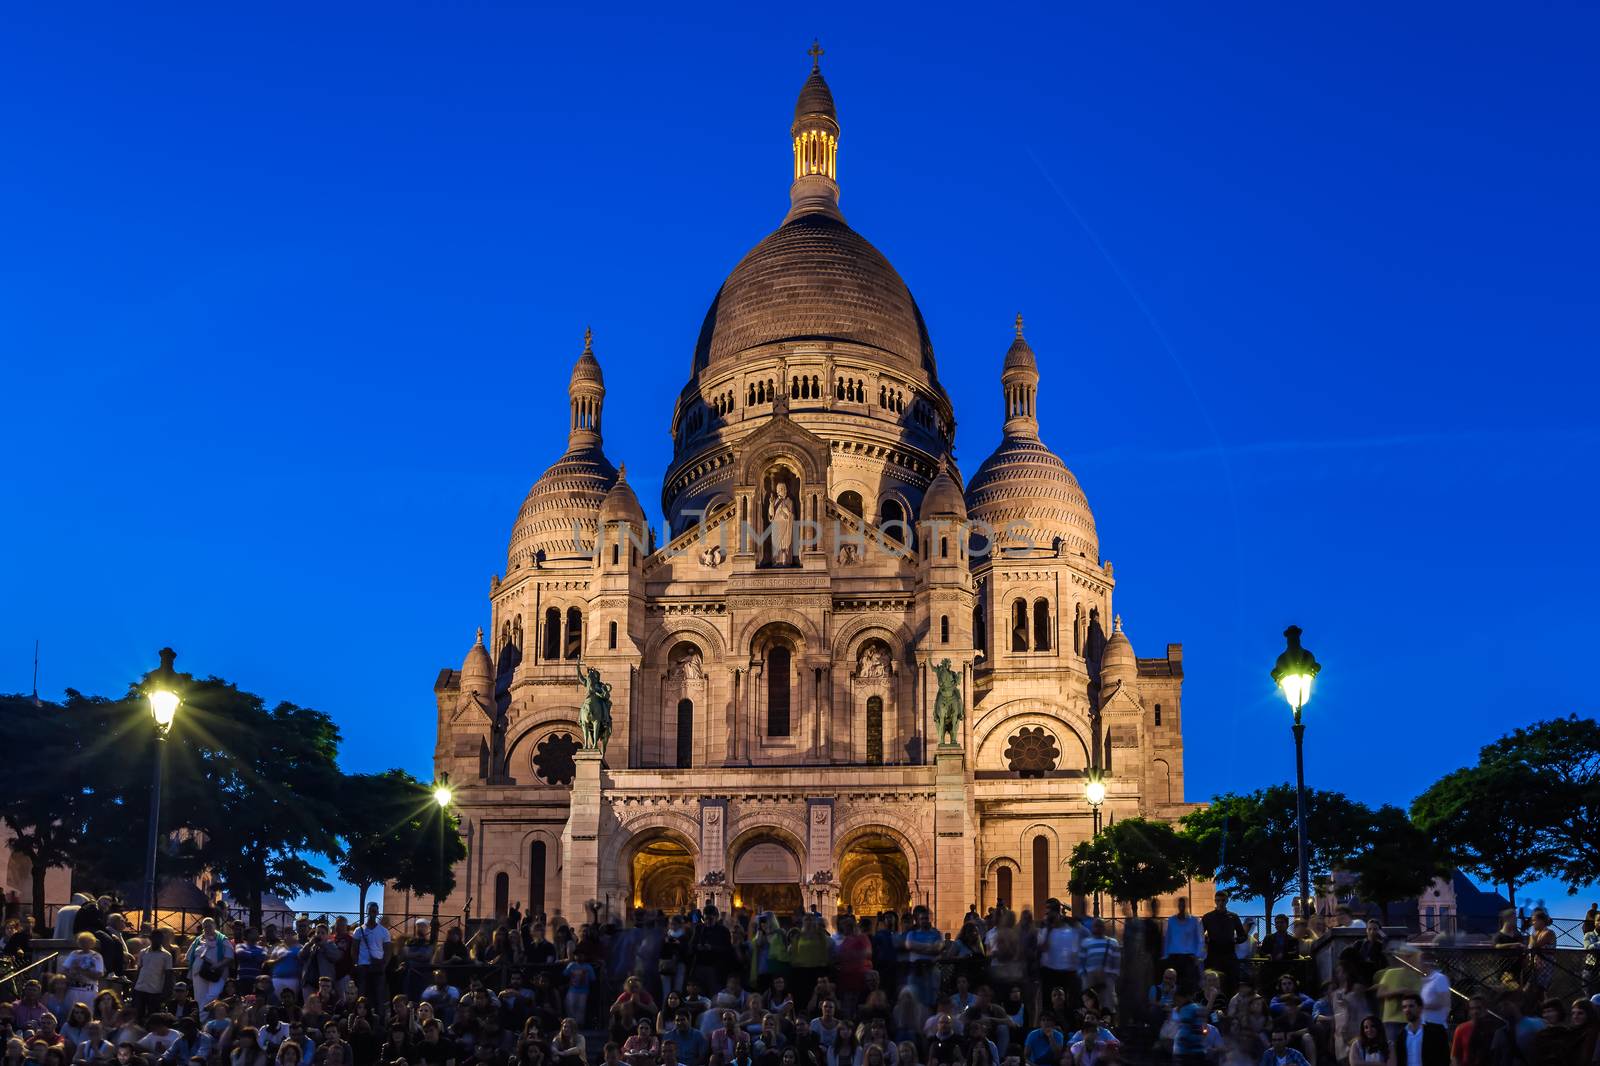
pixel 814 278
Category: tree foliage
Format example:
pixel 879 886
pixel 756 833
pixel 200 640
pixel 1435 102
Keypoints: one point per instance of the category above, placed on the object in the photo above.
pixel 1491 820
pixel 1397 862
pixel 1133 859
pixel 1563 754
pixel 1248 842
pixel 41 811
pixel 390 830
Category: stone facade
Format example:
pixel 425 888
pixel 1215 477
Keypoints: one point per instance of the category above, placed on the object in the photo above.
pixel 773 665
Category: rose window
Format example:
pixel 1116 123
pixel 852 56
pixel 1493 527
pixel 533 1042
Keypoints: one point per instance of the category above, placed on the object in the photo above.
pixel 1032 752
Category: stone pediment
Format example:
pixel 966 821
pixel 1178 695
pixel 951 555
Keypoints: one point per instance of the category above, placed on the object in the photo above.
pixel 781 436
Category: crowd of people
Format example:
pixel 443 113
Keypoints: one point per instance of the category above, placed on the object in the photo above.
pixel 708 988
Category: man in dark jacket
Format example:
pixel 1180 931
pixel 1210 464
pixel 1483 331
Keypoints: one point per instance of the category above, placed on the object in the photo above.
pixel 1420 1043
pixel 1223 934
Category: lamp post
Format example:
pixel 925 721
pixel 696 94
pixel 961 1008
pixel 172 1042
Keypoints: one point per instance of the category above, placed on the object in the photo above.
pixel 442 797
pixel 1094 790
pixel 1293 672
pixel 164 702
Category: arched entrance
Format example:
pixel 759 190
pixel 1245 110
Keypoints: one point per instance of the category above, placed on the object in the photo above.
pixel 874 875
pixel 663 875
pixel 766 877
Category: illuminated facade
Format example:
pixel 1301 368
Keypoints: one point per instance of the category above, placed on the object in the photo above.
pixel 773 663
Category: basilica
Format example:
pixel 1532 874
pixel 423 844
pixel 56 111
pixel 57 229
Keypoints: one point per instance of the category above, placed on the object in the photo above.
pixel 843 677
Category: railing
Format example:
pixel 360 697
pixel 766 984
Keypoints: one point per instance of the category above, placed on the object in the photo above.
pixel 8 984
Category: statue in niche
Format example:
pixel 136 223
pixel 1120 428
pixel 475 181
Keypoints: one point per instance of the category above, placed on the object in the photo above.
pixel 947 710
pixel 688 668
pixel 780 524
pixel 711 557
pixel 848 555
pixel 874 661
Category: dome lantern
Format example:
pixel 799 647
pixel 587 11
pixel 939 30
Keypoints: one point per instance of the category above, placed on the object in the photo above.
pixel 587 393
pixel 1019 383
pixel 815 137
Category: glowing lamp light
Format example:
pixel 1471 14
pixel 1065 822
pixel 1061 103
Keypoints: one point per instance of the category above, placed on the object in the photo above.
pixel 1095 791
pixel 442 795
pixel 163 694
pixel 1294 671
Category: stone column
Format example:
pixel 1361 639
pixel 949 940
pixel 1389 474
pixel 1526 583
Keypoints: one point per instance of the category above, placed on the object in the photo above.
pixel 952 838
pixel 580 840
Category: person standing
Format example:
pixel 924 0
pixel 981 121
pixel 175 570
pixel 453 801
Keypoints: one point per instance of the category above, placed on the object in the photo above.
pixel 373 950
pixel 1100 962
pixel 210 958
pixel 1223 934
pixel 1435 992
pixel 1184 944
pixel 1060 942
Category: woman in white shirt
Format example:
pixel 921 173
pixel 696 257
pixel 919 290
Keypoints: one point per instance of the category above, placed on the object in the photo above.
pixel 84 969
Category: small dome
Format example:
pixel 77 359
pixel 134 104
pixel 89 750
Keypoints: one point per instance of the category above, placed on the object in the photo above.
pixel 1117 661
pixel 943 498
pixel 621 505
pixel 476 667
pixel 1025 482
pixel 587 368
pixel 815 98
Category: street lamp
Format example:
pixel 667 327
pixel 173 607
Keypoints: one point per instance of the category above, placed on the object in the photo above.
pixel 1094 790
pixel 164 703
pixel 442 795
pixel 1293 672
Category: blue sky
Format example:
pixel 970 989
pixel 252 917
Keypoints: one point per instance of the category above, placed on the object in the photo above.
pixel 288 298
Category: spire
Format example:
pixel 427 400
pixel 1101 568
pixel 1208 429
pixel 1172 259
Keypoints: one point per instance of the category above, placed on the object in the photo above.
pixel 587 393
pixel 815 137
pixel 1019 386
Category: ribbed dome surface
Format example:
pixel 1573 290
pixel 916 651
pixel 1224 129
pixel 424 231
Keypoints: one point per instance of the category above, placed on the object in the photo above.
pixel 1025 482
pixel 815 98
pixel 1019 357
pixel 566 496
pixel 814 278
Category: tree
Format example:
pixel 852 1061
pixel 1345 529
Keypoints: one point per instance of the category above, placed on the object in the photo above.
pixel 1491 819
pixel 429 866
pixel 1248 842
pixel 272 793
pixel 1563 754
pixel 391 817
pixel 1133 859
pixel 43 818
pixel 1398 862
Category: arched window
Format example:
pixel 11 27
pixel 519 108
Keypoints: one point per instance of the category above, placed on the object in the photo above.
pixel 611 637
pixel 894 521
pixel 874 730
pixel 1041 625
pixel 502 894
pixel 552 633
pixel 536 861
pixel 778 683
pixel 979 637
pixel 574 645
pixel 1019 625
pixel 1002 886
pixel 944 629
pixel 1041 872
pixel 685 733
pixel 616 553
pixel 1158 714
pixel 850 500
pixel 944 547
